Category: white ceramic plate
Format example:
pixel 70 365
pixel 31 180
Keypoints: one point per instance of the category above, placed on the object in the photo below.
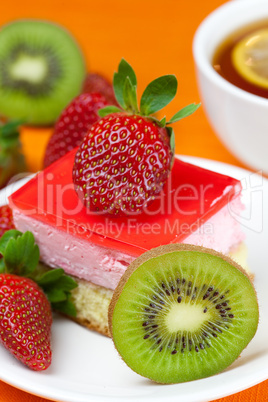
pixel 86 366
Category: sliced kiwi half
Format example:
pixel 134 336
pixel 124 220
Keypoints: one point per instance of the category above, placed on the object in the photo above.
pixel 182 312
pixel 41 70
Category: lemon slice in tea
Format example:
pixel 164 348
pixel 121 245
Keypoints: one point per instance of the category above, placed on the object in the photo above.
pixel 250 58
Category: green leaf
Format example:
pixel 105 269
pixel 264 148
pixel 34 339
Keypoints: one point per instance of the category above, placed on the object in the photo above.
pixel 55 295
pixel 57 287
pixel 9 135
pixel 66 283
pixel 49 277
pixel 10 234
pixel 108 110
pixel 184 112
pixel 21 257
pixel 10 128
pixel 172 143
pixel 124 70
pixel 11 257
pixel 158 94
pixel 2 266
pixel 8 143
pixel 172 139
pixel 162 122
pixel 66 307
pixel 21 254
pixel 130 96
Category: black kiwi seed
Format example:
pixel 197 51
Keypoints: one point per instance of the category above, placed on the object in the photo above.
pixel 185 287
pixel 146 336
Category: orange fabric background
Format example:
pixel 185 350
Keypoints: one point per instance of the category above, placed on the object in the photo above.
pixel 156 38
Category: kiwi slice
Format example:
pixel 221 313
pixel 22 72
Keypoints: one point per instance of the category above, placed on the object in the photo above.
pixel 41 70
pixel 182 312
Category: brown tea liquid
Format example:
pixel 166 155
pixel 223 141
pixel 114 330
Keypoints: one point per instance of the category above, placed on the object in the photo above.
pixel 222 59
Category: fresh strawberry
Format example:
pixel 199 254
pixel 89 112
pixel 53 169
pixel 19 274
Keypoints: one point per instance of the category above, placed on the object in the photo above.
pixel 28 291
pixel 25 321
pixel 73 124
pixel 124 160
pixel 128 159
pixel 6 219
pixel 12 160
pixel 97 83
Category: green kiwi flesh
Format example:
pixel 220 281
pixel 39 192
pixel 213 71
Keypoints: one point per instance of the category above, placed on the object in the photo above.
pixel 181 313
pixel 41 70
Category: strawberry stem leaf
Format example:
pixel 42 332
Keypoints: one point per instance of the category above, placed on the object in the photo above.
pixel 10 128
pixel 162 122
pixel 184 112
pixel 66 307
pixel 13 233
pixel 21 254
pixel 55 295
pixel 21 257
pixel 172 139
pixel 130 96
pixel 124 70
pixel 57 287
pixel 48 277
pixel 12 160
pixel 108 110
pixel 158 94
pixel 66 283
pixel 2 266
pixel 9 134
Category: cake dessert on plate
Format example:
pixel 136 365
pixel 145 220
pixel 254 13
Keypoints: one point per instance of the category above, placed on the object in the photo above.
pixel 196 206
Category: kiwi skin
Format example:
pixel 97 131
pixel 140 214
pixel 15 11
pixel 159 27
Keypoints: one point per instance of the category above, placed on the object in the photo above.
pixel 156 252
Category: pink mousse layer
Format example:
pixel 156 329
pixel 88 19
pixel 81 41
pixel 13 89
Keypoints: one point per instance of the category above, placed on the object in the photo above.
pixel 104 266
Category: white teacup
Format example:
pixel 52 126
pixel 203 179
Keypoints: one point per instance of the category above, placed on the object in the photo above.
pixel 239 118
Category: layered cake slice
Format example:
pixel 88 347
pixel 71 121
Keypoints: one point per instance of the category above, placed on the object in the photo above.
pixel 196 206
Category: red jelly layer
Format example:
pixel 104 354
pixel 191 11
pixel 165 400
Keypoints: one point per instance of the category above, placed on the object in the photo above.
pixel 190 197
